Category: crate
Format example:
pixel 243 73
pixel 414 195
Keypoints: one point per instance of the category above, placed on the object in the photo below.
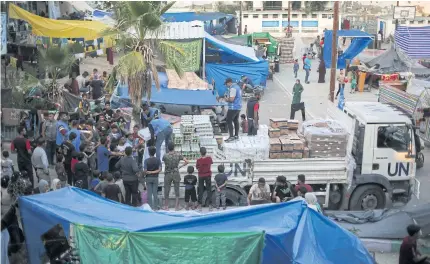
pixel 274 132
pixel 278 122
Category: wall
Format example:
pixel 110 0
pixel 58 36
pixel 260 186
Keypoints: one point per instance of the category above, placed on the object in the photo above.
pixel 276 21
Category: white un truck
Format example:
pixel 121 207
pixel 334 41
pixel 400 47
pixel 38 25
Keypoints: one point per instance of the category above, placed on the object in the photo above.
pixel 379 169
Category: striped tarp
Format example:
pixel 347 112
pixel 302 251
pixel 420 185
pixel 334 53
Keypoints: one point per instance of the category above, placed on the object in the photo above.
pixel 414 41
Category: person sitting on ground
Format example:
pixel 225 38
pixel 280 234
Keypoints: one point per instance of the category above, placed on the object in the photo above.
pixel 56 184
pixel 259 193
pixel 301 182
pixel 301 194
pixel 112 191
pixel 282 190
pixel 42 188
pixel 244 123
pixel 312 201
pixel 247 84
pixel 190 181
pixel 409 254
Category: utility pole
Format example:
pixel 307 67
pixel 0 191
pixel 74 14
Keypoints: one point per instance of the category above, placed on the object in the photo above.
pixel 289 13
pixel 239 32
pixel 397 20
pixel 334 50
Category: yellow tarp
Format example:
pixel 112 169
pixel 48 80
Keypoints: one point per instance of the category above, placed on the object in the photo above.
pixel 47 27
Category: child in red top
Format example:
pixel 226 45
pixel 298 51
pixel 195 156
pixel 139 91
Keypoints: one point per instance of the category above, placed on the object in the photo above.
pixel 203 165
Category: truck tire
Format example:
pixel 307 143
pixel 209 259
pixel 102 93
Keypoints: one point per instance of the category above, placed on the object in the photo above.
pixel 367 197
pixel 233 198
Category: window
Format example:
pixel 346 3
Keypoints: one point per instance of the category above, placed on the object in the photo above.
pixel 275 15
pixel 255 16
pixel 272 5
pixel 304 16
pixel 421 22
pixel 284 15
pixel 294 15
pixel 265 16
pixel 324 15
pixel 394 137
pixel 403 22
pixel 314 16
pixel 245 16
pixel 411 22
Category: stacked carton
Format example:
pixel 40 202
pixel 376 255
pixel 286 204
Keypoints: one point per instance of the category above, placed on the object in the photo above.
pixel 325 138
pixel 287 47
pixel 194 132
pixel 285 143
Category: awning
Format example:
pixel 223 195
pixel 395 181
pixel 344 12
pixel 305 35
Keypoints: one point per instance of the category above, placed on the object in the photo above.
pixel 46 27
pixel 241 52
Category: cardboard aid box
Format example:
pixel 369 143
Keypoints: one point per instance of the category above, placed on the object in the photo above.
pixel 274 132
pixel 275 144
pixel 287 144
pixel 278 122
pixel 275 155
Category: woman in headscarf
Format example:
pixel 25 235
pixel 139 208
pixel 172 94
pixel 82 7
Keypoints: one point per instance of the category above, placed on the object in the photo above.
pixel 55 185
pixel 43 187
pixel 312 201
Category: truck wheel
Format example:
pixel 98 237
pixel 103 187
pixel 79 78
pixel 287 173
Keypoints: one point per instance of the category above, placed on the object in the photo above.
pixel 367 197
pixel 233 198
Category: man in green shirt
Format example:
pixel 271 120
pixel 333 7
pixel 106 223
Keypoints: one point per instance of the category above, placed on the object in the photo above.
pixel 296 104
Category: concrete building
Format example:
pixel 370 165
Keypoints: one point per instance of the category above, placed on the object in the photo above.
pixel 272 16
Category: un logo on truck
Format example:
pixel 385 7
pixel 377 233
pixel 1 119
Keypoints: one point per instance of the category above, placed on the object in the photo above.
pixel 399 169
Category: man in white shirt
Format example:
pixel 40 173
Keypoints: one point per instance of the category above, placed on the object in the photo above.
pixel 82 79
pixel 379 40
pixel 40 161
pixel 259 193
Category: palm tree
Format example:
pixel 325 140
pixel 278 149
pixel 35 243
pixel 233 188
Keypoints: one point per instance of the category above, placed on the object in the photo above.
pixel 56 62
pixel 134 21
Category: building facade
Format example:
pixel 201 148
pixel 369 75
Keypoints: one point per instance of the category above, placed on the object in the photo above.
pixel 272 16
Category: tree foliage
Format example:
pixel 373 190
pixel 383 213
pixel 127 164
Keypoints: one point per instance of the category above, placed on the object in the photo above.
pixel 134 22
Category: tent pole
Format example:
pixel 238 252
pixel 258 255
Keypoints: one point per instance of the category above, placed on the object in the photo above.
pixel 204 60
pixel 334 50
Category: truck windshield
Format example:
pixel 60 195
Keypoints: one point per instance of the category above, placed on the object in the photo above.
pixel 395 137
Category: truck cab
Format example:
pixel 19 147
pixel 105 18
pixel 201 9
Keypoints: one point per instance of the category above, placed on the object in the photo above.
pixel 382 143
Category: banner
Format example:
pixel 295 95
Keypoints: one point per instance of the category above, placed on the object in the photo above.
pixel 106 245
pixel 3 33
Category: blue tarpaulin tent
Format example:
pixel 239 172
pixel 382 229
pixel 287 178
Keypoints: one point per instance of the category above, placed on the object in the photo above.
pixel 240 52
pixel 360 40
pixel 120 97
pixel 293 232
pixel 256 71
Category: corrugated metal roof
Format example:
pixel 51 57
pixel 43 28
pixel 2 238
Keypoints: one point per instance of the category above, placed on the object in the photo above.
pixel 179 30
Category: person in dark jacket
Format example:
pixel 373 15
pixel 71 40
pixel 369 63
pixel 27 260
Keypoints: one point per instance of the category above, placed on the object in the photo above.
pixel 82 171
pixel 321 72
pixel 129 169
pixel 252 108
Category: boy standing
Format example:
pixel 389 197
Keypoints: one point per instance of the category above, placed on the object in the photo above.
pixel 152 167
pixel 84 106
pixel 244 124
pixel 190 181
pixel 203 165
pixel 296 67
pixel 220 184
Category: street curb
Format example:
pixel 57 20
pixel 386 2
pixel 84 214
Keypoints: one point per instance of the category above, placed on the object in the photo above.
pixel 392 245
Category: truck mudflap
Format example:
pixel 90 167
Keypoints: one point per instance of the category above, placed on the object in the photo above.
pixel 416 188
